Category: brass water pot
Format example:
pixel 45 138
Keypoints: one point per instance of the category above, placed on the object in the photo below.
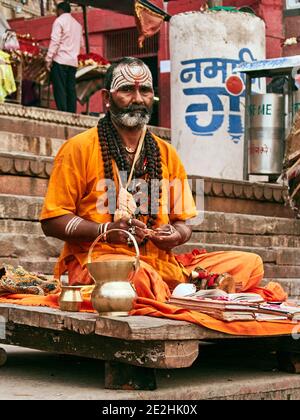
pixel 70 298
pixel 113 293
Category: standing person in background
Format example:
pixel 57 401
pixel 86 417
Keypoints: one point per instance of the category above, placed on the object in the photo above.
pixel 61 59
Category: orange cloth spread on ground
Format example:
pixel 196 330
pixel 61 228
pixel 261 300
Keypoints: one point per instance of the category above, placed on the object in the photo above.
pixel 77 186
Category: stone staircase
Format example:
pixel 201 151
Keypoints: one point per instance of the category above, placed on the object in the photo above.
pixel 238 215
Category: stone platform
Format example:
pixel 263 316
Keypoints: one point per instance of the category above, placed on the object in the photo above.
pixel 135 347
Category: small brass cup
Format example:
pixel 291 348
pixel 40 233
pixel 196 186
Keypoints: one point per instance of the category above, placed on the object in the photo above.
pixel 70 298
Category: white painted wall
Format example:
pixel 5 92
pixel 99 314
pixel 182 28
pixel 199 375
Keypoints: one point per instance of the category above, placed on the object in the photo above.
pixel 207 122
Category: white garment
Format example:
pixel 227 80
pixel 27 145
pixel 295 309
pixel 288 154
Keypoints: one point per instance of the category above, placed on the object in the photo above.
pixel 66 40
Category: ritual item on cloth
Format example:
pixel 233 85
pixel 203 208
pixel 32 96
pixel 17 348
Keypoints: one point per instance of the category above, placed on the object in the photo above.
pixel 149 17
pixel 18 280
pixel 202 278
pixel 205 280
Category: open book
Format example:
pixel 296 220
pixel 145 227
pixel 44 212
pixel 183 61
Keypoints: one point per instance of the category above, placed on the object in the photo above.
pixel 214 294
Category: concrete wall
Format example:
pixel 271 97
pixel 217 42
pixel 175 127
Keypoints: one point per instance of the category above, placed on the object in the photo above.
pixel 207 117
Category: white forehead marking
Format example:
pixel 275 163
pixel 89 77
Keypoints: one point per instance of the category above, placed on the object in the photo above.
pixel 131 74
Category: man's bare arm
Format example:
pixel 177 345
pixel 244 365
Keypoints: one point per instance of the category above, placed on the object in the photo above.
pixel 184 230
pixel 70 228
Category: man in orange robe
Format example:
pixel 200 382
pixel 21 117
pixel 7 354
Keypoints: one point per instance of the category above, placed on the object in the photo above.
pixel 83 198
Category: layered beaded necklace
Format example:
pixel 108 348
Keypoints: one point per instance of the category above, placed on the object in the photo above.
pixel 148 166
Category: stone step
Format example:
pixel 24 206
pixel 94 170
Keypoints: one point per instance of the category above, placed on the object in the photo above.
pixel 32 185
pixel 23 174
pixel 23 185
pixel 283 271
pixel 20 207
pixel 239 240
pixel 23 207
pixel 242 197
pixel 279 262
pixel 245 240
pixel 32 145
pixel 21 246
pixel 276 255
pixel 43 122
pixel 50 123
pixel 21 227
pixel 229 370
pixel 28 175
pixel 236 223
pixel 45 266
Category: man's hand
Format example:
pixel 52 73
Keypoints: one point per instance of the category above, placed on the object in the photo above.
pixel 166 237
pixel 48 66
pixel 136 227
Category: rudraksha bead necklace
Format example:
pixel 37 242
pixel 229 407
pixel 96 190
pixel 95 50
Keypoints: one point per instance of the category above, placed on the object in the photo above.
pixel 151 168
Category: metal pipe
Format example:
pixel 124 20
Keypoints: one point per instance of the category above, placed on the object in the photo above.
pixel 86 30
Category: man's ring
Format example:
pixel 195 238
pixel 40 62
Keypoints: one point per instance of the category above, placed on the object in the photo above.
pixel 132 230
pixel 130 222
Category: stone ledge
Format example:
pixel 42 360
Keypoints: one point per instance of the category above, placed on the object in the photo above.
pixel 240 189
pixel 23 164
pixel 47 115
pixel 44 115
pixel 41 166
pixel 30 144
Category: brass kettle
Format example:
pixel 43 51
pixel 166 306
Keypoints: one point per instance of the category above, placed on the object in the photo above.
pixel 113 293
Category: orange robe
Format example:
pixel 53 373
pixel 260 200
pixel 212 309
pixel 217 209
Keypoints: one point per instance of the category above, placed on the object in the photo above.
pixel 77 186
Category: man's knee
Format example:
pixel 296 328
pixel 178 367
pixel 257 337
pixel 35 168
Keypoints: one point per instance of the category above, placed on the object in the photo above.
pixel 251 259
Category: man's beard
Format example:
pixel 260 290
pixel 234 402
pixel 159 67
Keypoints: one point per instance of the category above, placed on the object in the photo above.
pixel 130 117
